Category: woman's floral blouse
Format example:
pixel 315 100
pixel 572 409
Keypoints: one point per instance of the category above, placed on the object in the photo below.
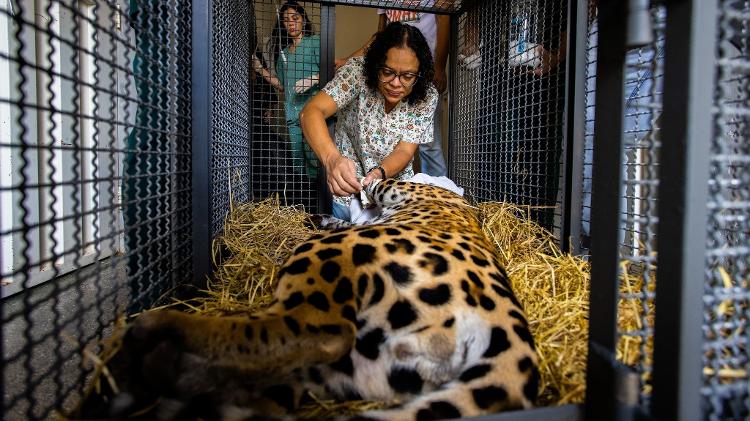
pixel 364 132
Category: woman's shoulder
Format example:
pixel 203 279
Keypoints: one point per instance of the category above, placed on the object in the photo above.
pixel 357 61
pixel 354 67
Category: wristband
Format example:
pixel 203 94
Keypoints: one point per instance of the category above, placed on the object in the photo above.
pixel 382 171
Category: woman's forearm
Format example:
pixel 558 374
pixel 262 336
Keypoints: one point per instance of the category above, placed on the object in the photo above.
pixel 266 74
pixel 341 173
pixel 394 163
pixel 398 159
pixel 313 123
pixel 273 80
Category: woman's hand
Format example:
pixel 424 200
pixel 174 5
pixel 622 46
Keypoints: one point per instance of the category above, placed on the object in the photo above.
pixel 257 65
pixel 342 176
pixel 548 61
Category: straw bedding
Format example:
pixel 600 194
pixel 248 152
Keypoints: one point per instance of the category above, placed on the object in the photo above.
pixel 552 286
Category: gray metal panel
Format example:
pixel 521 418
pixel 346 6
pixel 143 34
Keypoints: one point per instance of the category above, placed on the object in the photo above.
pixel 575 123
pixel 606 198
pixel 100 103
pixel 202 76
pixel 726 390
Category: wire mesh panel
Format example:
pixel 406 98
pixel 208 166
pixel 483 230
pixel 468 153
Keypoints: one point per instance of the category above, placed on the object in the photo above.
pixel 230 146
pixel 726 389
pixel 94 182
pixel 509 93
pixel 286 54
pixel 642 98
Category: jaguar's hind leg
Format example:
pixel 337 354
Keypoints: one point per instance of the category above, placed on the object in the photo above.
pixel 480 390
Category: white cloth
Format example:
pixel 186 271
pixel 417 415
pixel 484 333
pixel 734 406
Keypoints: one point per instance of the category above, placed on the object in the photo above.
pixel 425 22
pixel 361 215
pixel 443 182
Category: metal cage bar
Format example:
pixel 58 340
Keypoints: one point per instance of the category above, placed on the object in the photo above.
pixel 202 78
pixel 575 125
pixel 606 199
pixel 686 124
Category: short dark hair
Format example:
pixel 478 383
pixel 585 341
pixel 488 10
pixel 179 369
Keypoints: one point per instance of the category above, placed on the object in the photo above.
pixel 400 35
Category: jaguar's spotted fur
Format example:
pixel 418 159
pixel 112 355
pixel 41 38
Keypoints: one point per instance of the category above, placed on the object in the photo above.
pixel 413 308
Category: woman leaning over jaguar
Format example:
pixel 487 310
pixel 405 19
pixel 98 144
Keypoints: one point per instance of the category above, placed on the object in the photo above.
pixel 385 103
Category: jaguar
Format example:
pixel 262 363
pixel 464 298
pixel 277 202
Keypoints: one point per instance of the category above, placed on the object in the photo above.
pixel 412 308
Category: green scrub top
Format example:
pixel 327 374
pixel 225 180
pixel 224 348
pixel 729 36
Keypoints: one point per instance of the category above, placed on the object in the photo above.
pixel 300 64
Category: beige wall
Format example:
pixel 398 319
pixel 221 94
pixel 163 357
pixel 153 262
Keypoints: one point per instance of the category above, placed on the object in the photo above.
pixel 354 26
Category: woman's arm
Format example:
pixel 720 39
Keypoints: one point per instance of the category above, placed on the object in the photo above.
pixel 395 162
pixel 340 171
pixel 273 80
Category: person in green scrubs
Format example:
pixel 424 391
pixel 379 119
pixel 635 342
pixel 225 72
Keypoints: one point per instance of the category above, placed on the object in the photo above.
pixel 296 53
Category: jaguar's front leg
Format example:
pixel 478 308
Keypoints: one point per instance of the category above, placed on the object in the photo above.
pixel 269 343
pixel 170 360
pixel 327 222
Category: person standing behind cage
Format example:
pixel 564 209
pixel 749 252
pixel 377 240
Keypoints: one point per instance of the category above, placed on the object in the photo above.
pixel 436 30
pixel 520 124
pixel 385 104
pixel 295 51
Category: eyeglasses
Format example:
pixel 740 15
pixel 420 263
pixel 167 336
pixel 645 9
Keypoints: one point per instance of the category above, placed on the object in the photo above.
pixel 407 79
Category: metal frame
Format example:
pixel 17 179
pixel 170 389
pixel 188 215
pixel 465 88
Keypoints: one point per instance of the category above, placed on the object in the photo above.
pixel 575 125
pixel 328 58
pixel 687 123
pixel 202 81
pixel 606 196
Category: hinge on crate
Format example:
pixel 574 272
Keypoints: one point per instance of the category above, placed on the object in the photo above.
pixel 627 386
pixel 118 17
pixel 626 383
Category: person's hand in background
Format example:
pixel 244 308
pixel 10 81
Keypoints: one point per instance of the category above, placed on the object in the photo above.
pixel 303 85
